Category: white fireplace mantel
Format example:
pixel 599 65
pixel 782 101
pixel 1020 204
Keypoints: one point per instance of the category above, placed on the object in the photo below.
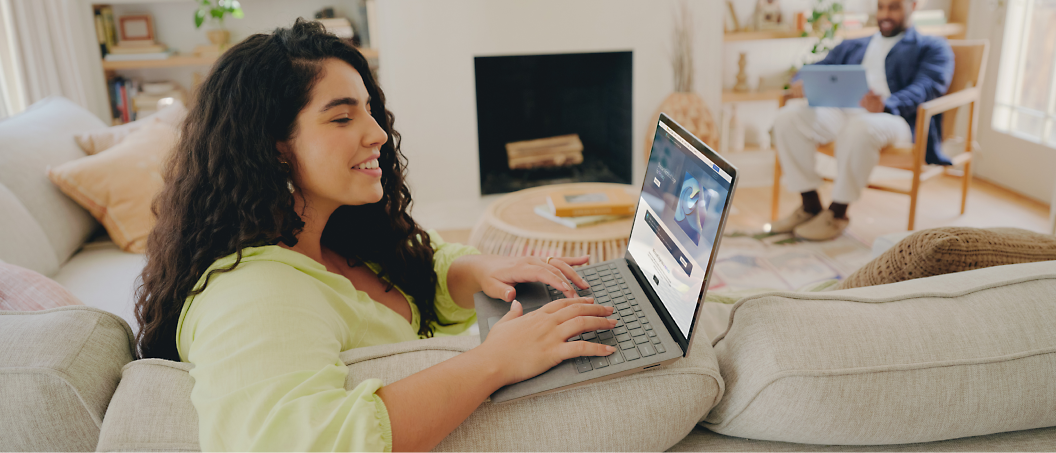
pixel 426 59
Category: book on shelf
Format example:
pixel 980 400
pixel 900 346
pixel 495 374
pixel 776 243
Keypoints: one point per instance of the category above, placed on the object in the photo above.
pixel 139 56
pixel 574 222
pixel 122 91
pixel 580 202
pixel 105 32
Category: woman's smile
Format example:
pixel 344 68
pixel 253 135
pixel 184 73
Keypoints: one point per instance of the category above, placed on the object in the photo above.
pixel 369 168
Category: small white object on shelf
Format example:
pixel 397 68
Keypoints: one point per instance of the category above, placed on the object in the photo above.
pixel 139 56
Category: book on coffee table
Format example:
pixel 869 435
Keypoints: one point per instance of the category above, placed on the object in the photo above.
pixel 580 202
pixel 574 222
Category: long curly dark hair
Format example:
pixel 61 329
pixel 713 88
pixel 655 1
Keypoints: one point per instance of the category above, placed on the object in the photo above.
pixel 225 188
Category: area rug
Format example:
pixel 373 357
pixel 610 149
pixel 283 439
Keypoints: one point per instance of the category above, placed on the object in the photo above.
pixel 783 262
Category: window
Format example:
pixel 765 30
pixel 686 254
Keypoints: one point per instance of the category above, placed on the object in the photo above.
pixel 12 96
pixel 1025 105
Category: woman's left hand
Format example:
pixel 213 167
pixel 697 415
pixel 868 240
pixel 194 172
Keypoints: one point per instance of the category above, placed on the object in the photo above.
pixel 498 274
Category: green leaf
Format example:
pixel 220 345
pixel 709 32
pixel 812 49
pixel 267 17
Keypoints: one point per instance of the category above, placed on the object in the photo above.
pixel 199 18
pixel 237 13
pixel 218 13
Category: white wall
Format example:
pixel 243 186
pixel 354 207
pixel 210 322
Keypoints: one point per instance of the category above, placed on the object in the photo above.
pixel 427 49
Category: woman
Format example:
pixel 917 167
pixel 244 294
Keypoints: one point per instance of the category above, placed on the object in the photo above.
pixel 283 238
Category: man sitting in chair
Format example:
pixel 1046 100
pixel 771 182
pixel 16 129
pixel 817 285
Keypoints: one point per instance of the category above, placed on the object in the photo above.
pixel 903 69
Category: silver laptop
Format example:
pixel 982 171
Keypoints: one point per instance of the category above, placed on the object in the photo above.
pixel 658 285
pixel 834 85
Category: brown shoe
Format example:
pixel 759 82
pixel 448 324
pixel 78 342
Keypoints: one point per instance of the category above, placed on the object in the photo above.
pixel 787 224
pixel 822 227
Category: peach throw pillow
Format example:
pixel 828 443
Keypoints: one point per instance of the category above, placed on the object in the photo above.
pixel 118 186
pixel 24 290
pixel 98 141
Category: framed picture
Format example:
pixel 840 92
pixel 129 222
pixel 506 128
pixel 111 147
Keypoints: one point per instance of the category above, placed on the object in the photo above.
pixel 136 28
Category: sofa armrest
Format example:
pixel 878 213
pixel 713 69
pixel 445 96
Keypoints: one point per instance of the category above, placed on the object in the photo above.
pixel 58 371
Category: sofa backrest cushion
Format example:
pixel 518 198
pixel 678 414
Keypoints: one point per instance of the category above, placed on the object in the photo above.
pixel 30 142
pixel 58 370
pixel 647 411
pixel 965 354
pixel 24 242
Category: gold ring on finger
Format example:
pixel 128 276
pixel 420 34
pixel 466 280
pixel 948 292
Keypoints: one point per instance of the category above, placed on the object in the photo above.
pixel 548 259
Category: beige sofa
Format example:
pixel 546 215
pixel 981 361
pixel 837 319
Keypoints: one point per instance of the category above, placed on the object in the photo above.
pixel 956 362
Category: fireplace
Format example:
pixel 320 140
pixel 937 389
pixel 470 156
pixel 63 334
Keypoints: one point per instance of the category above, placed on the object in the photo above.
pixel 530 97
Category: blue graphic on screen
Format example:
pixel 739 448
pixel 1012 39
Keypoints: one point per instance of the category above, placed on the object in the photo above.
pixel 692 209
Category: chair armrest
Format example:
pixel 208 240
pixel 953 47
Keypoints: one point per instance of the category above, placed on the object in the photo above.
pixel 947 102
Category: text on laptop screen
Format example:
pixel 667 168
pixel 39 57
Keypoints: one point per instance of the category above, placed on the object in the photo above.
pixel 677 222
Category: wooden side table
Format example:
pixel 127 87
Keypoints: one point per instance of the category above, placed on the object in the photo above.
pixel 511 227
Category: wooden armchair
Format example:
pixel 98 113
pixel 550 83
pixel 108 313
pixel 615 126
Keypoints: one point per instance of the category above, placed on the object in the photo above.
pixel 969 68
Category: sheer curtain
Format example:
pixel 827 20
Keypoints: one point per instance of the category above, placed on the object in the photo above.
pixel 49 51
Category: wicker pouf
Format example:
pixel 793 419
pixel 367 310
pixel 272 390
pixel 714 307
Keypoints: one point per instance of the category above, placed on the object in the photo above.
pixel 511 227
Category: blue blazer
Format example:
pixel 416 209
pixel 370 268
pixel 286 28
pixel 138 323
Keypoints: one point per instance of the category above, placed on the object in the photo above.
pixel 919 68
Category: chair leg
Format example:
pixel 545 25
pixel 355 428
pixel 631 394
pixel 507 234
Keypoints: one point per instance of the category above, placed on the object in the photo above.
pixel 775 200
pixel 966 181
pixel 913 191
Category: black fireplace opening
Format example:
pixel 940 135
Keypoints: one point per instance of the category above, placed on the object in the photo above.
pixel 529 97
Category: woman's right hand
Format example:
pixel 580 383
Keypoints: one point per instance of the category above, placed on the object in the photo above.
pixel 525 346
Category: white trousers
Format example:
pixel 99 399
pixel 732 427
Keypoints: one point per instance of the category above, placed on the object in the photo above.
pixel 859 137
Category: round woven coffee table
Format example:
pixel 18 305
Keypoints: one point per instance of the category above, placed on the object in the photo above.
pixel 511 227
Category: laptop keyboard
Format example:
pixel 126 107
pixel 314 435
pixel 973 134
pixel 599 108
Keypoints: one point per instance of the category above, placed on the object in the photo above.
pixel 633 336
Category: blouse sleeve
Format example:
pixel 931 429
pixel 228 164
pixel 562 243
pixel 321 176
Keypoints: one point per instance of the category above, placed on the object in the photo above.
pixel 265 344
pixel 447 311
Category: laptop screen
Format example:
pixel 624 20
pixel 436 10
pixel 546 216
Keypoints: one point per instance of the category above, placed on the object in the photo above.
pixel 677 222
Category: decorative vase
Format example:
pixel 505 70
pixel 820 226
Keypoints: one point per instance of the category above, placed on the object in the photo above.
pixel 219 37
pixel 689 110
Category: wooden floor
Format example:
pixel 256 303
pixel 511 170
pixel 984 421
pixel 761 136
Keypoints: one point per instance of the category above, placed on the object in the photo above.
pixel 878 213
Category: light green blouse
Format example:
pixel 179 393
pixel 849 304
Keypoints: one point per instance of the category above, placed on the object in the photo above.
pixel 264 340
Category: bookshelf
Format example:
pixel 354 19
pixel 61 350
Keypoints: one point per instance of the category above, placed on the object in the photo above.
pixel 173 27
pixel 173 61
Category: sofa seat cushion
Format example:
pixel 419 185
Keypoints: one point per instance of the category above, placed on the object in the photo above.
pixel 652 409
pixel 104 277
pixel 1041 439
pixel 957 355
pixel 30 142
pixel 58 371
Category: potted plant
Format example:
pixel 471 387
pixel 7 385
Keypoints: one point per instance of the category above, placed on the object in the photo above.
pixel 684 105
pixel 214 11
pixel 825 21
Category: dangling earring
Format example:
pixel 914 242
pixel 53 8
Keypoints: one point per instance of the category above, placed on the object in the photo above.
pixel 289 181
